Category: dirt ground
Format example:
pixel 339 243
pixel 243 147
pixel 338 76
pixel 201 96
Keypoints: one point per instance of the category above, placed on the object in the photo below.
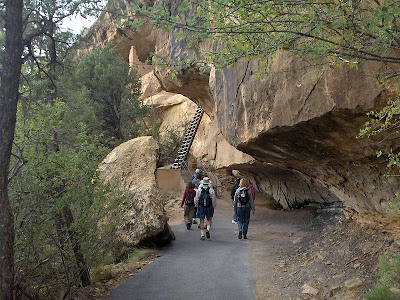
pixel 318 253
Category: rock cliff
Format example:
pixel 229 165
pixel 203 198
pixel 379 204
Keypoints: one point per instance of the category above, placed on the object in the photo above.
pixel 131 166
pixel 299 123
pixel 292 130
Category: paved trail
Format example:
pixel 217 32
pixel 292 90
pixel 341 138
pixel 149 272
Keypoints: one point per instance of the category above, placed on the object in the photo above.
pixel 216 268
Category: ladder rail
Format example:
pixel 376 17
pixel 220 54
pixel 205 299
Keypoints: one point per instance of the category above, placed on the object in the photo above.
pixel 188 138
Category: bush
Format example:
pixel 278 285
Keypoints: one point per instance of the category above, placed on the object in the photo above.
pixel 170 143
pixel 388 284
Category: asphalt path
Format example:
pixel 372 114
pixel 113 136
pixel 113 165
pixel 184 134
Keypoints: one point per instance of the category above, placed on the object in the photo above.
pixel 189 268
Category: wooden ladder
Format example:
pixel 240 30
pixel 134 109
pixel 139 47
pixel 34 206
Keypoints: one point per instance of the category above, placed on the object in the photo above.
pixel 188 139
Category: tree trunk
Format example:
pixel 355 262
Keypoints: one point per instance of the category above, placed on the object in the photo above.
pixel 84 274
pixel 8 110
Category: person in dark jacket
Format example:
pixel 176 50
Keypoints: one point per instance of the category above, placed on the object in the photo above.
pixel 233 191
pixel 188 201
pixel 244 203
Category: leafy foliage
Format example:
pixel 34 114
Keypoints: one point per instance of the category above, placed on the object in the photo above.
pixel 385 121
pixel 388 283
pixel 113 90
pixel 338 30
pixel 60 207
pixel 48 182
pixel 169 142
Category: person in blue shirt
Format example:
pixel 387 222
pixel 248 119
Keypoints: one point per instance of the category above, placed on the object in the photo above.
pixel 244 203
pixel 199 173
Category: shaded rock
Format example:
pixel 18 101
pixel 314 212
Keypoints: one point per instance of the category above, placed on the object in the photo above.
pixel 334 290
pixel 306 289
pixel 303 122
pixel 172 111
pixel 149 85
pixel 132 45
pixel 131 167
pixel 353 283
pixel 189 80
pixel 210 146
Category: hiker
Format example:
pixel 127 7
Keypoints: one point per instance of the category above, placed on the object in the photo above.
pixel 206 202
pixel 188 201
pixel 196 180
pixel 233 191
pixel 199 173
pixel 252 190
pixel 244 203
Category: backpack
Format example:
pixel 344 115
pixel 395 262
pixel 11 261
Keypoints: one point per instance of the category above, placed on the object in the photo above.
pixel 189 200
pixel 205 198
pixel 244 196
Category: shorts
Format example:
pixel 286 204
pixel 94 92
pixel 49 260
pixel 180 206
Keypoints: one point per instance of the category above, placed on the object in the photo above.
pixel 205 211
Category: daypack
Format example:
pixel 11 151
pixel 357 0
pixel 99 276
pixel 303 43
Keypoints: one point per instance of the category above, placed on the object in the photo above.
pixel 244 196
pixel 189 200
pixel 205 198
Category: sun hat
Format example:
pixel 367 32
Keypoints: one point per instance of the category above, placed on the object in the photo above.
pixel 206 180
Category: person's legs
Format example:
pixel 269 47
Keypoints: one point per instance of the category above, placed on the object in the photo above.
pixel 201 216
pixel 209 221
pixel 194 217
pixel 234 216
pixel 201 224
pixel 186 215
pixel 246 221
pixel 192 213
pixel 210 214
pixel 202 229
pixel 240 220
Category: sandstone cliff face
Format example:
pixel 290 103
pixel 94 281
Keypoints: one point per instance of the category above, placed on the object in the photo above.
pixel 131 166
pixel 300 125
pixel 292 130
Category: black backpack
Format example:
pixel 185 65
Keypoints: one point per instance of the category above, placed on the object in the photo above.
pixel 189 200
pixel 244 196
pixel 205 198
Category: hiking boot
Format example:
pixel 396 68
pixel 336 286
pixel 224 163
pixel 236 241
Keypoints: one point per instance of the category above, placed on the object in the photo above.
pixel 245 236
pixel 208 234
pixel 202 238
pixel 240 235
pixel 188 225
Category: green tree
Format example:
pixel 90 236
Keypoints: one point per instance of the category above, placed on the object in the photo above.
pixel 50 186
pixel 114 90
pixel 40 23
pixel 337 30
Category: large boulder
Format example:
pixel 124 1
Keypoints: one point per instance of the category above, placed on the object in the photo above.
pixel 131 167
